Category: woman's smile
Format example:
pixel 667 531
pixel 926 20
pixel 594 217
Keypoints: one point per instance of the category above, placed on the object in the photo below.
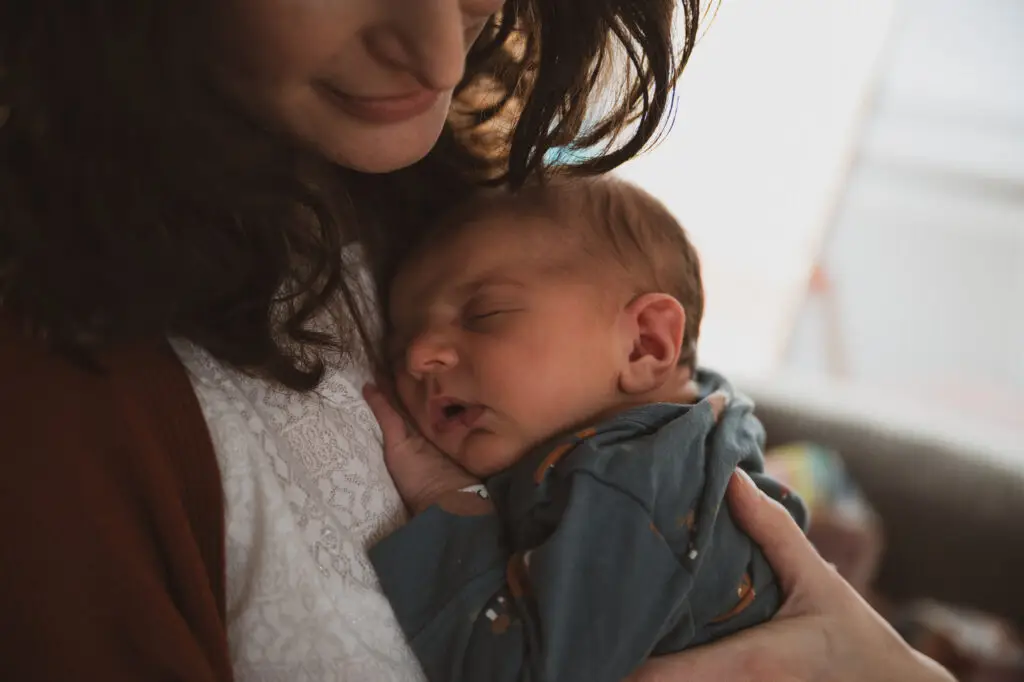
pixel 382 109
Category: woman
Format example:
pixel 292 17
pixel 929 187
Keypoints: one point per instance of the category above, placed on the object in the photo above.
pixel 218 173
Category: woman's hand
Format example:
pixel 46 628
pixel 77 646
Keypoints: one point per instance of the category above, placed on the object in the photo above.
pixel 824 632
pixel 422 474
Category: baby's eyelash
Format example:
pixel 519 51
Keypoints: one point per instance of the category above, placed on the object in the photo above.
pixel 484 316
pixel 488 316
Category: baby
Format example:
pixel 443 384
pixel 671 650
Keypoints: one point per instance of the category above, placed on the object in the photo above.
pixel 546 341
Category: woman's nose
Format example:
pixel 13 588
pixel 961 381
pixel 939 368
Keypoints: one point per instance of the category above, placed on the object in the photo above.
pixel 430 354
pixel 428 39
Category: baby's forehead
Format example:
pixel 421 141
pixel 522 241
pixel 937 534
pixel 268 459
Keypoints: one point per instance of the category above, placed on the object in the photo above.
pixel 524 227
pixel 502 234
pixel 499 244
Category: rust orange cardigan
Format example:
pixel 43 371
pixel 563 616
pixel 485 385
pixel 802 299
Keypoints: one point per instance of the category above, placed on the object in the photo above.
pixel 111 520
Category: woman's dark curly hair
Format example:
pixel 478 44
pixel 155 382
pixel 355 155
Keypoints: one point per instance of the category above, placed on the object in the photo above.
pixel 135 201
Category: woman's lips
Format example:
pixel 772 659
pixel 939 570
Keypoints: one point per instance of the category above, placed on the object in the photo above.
pixel 391 109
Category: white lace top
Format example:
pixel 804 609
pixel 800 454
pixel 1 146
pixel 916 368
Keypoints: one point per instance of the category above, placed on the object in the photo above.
pixel 306 492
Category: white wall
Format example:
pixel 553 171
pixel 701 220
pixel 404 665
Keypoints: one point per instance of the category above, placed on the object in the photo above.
pixel 768 112
pixel 927 251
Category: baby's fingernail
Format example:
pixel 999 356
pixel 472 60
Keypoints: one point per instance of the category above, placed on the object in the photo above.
pixel 718 402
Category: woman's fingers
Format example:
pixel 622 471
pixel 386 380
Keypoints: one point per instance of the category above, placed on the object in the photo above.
pixel 824 630
pixel 790 553
pixel 739 658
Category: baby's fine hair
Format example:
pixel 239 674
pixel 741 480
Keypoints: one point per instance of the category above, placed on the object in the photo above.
pixel 636 229
pixel 621 222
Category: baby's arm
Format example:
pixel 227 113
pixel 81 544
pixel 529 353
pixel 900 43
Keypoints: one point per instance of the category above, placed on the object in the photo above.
pixel 624 567
pixel 735 586
pixel 586 605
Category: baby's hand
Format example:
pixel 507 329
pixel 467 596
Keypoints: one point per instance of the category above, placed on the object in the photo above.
pixel 719 401
pixel 422 474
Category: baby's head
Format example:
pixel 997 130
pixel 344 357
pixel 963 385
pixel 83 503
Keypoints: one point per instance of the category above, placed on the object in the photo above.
pixel 531 314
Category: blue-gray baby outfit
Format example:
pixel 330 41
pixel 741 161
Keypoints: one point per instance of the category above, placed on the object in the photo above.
pixel 603 547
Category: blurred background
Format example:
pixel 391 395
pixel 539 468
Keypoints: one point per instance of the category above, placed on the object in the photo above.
pixel 852 172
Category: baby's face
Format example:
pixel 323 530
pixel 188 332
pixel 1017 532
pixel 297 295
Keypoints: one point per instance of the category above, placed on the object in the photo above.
pixel 503 338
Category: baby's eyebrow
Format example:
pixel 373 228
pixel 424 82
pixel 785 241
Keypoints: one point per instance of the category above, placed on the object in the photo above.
pixel 489 280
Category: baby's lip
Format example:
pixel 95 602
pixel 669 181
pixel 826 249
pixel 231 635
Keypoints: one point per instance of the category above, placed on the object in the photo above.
pixel 447 413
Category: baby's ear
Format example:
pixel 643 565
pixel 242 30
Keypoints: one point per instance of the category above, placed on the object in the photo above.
pixel 656 323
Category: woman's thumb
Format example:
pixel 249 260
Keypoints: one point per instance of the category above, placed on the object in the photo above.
pixel 767 522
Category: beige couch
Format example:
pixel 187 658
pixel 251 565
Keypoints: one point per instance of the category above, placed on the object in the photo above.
pixel 950 493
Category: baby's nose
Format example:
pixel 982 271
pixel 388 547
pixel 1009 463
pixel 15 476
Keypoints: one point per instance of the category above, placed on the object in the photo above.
pixel 430 354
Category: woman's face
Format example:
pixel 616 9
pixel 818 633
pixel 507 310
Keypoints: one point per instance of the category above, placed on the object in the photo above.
pixel 367 83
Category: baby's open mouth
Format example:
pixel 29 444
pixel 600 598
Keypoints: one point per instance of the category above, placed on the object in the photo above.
pixel 449 413
pixel 453 410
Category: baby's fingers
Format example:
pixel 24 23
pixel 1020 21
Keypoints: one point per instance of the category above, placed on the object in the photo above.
pixel 718 401
pixel 392 424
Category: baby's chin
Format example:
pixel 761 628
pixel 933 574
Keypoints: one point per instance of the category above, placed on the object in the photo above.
pixel 485 454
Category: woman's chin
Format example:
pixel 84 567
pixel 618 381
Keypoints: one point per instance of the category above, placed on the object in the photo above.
pixel 382 160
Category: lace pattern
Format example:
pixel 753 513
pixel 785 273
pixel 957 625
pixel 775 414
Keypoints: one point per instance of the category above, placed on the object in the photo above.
pixel 306 492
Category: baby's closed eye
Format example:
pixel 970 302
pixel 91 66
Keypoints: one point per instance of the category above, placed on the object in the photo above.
pixel 487 315
pixel 479 315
